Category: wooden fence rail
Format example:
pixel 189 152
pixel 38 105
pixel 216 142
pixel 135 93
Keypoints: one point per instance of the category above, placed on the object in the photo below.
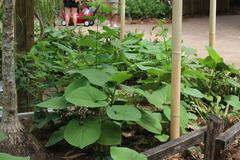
pixel 179 145
pixel 214 138
pixel 227 138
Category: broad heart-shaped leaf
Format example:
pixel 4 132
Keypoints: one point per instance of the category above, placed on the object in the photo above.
pixel 124 113
pixel 82 135
pixel 96 76
pixel 56 137
pixel 54 103
pixel 121 153
pixel 208 62
pixel 156 98
pixel 87 96
pixel 120 77
pixel 4 156
pixel 111 134
pixel 233 101
pixel 192 92
pixel 162 137
pixel 160 96
pixel 214 55
pixel 75 85
pixel 2 136
pixel 151 122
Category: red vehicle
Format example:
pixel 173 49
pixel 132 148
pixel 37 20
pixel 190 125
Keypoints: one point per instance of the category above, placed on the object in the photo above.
pixel 84 16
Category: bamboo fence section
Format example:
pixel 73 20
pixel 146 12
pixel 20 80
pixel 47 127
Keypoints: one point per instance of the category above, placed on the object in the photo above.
pixel 212 23
pixel 123 19
pixel 176 68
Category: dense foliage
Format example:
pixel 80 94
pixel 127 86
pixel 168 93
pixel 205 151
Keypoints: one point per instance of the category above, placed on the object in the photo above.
pixel 142 9
pixel 95 84
pixel 48 10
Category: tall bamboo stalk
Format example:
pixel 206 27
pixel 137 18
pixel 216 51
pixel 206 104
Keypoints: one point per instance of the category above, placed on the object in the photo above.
pixel 176 68
pixel 212 23
pixel 123 19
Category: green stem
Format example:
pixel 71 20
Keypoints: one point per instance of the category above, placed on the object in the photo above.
pixel 226 110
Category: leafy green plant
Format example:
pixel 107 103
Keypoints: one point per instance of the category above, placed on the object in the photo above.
pixel 141 9
pixel 98 97
pixel 47 10
pixel 119 153
pixel 95 84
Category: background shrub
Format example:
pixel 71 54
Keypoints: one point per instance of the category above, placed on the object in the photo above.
pixel 143 9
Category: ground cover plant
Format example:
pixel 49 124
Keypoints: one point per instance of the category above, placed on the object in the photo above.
pixel 94 84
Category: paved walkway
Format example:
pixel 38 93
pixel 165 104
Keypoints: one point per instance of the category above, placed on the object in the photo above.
pixel 195 35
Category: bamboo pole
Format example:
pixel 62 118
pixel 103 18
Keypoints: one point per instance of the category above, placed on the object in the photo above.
pixel 176 68
pixel 212 23
pixel 123 19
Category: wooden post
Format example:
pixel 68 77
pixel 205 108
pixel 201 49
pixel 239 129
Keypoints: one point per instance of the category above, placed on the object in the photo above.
pixel 212 23
pixel 24 25
pixel 226 139
pixel 1 7
pixel 215 127
pixel 176 68
pixel 123 19
pixel 24 38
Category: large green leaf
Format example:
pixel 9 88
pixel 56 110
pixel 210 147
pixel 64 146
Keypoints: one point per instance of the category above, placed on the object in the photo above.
pixel 162 137
pixel 4 156
pixel 87 42
pixel 54 103
pixel 111 134
pixel 156 98
pixel 192 92
pixel 233 101
pixel 56 137
pixel 121 153
pixel 214 55
pixel 96 76
pixel 75 85
pixel 82 135
pixel 212 60
pixel 151 122
pixel 125 113
pixel 195 74
pixel 120 77
pixel 160 96
pixel 63 47
pixel 87 96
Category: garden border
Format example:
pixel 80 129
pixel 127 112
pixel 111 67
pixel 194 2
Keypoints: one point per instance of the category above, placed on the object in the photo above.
pixel 215 140
pixel 213 136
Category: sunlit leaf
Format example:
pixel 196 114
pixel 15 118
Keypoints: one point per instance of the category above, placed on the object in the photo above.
pixel 54 103
pixel 126 113
pixel 121 153
pixel 87 96
pixel 83 134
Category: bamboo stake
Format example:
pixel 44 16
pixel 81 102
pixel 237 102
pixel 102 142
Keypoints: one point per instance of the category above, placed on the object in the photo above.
pixel 212 23
pixel 123 19
pixel 176 68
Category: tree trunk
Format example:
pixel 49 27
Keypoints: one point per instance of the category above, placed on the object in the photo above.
pixel 1 6
pixel 19 141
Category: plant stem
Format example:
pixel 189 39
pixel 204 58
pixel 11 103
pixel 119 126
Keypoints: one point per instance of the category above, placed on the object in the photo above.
pixel 226 110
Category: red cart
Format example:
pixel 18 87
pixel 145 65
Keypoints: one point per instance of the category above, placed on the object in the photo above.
pixel 85 15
